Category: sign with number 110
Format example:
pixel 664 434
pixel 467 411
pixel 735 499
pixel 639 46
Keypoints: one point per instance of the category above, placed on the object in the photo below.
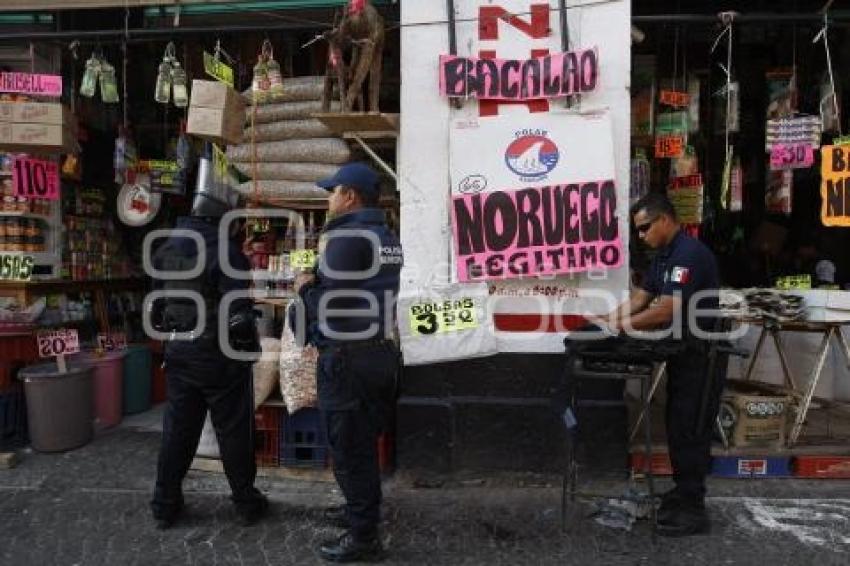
pixel 35 178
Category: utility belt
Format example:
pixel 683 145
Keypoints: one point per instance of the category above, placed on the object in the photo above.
pixel 355 345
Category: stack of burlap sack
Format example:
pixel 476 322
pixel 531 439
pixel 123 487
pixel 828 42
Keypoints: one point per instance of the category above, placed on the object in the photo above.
pixel 291 150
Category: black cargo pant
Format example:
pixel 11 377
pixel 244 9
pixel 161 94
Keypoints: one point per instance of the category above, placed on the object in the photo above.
pixel 193 388
pixel 690 426
pixel 356 387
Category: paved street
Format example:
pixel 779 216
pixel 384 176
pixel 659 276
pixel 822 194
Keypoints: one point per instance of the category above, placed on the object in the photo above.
pixel 89 507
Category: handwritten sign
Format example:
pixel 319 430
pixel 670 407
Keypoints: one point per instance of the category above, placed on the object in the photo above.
pixel 15 267
pixel 796 156
pixel 218 70
pixel 448 316
pixel 58 342
pixel 220 164
pixel 110 342
pixel 26 83
pixel 669 146
pixel 302 259
pixel 35 178
pixel 537 231
pixel 835 185
pixel 794 282
pixel 793 131
pixel 550 76
pixel 674 98
pixel 686 195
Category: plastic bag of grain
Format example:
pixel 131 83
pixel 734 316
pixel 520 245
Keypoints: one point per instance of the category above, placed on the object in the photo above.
pixel 316 150
pixel 295 89
pixel 266 370
pixel 268 113
pixel 270 191
pixel 287 130
pixel 297 373
pixel 307 172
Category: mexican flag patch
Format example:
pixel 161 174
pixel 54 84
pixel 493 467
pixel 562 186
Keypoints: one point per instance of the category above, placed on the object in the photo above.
pixel 680 275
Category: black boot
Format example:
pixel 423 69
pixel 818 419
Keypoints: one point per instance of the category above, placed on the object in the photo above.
pixel 336 516
pixel 347 548
pixel 685 521
pixel 165 516
pixel 673 500
pixel 252 509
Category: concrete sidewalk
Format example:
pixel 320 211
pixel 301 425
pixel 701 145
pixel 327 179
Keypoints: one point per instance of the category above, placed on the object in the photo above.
pixel 89 507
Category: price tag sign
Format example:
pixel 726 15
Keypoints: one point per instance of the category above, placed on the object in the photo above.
pixel 220 164
pixel 110 342
pixel 58 342
pixel 448 316
pixel 669 146
pixel 16 267
pixel 302 259
pixel 796 156
pixel 35 178
pixel 794 282
pixel 674 98
pixel 218 70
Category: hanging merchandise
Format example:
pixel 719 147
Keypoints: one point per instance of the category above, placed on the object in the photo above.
pixel 686 165
pixel 108 83
pixel 171 76
pixel 777 196
pixel 90 76
pixel 829 106
pixel 671 134
pixel 137 205
pixel 260 84
pixel 781 93
pixel 736 186
pixel 273 71
pixel 693 105
pixel 831 99
pixel 686 195
pixel 162 91
pixel 643 95
pixel 639 177
pixel 185 155
pixel 180 84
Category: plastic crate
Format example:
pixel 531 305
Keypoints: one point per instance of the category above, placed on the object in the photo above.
pixel 386 452
pixel 822 467
pixel 660 462
pixel 751 467
pixel 13 418
pixel 267 436
pixel 304 440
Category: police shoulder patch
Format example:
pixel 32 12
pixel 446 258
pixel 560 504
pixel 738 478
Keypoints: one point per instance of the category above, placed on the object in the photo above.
pixel 680 275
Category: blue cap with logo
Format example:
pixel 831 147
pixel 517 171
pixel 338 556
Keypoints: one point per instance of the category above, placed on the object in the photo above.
pixel 357 175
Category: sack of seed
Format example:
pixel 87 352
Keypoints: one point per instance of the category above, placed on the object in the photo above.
pixel 287 130
pixel 297 373
pixel 294 89
pixel 268 113
pixel 270 191
pixel 317 150
pixel 308 172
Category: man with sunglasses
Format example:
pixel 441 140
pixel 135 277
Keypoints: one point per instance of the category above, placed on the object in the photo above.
pixel 682 276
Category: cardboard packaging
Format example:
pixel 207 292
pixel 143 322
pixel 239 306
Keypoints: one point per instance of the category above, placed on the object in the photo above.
pixel 35 127
pixel 753 419
pixel 216 112
pixel 826 305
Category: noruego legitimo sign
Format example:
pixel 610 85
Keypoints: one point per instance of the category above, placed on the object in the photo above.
pixel 543 200
pixel 550 76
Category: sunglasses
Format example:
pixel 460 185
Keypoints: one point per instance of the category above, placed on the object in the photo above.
pixel 644 228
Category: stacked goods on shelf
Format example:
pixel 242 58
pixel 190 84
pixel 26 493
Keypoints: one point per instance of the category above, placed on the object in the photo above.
pixel 271 247
pixel 286 150
pixel 90 249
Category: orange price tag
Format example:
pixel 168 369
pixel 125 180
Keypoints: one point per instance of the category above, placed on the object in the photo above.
pixel 669 146
pixel 675 98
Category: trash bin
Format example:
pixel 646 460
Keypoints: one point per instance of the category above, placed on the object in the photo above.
pixel 137 379
pixel 108 386
pixel 60 406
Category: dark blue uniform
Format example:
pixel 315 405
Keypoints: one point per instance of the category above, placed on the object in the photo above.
pixel 200 377
pixel 684 268
pixel 350 318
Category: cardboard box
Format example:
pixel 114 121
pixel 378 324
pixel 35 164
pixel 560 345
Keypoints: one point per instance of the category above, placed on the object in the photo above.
pixel 753 419
pixel 34 113
pixel 826 305
pixel 216 112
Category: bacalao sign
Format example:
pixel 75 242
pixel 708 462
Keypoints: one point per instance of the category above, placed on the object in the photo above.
pixel 519 29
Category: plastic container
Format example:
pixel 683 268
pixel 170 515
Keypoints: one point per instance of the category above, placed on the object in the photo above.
pixel 137 379
pixel 60 406
pixel 304 441
pixel 108 386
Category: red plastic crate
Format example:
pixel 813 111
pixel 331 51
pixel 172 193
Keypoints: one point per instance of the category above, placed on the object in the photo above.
pixel 660 462
pixel 267 436
pixel 822 467
pixel 386 452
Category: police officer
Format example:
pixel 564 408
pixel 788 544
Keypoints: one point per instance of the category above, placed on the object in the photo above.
pixel 681 268
pixel 200 376
pixel 348 310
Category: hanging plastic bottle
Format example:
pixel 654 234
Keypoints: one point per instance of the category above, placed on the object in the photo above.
pixel 119 161
pixel 260 83
pixel 108 84
pixel 179 82
pixel 90 77
pixel 162 92
pixel 272 70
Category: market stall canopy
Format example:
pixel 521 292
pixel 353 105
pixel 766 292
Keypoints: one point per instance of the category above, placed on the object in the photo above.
pixel 30 5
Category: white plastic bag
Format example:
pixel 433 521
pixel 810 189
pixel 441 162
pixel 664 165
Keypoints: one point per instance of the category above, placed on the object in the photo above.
pixel 297 373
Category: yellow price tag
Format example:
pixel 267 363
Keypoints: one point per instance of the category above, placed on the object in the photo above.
pixel 220 164
pixel 448 316
pixel 794 282
pixel 302 259
pixel 218 70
